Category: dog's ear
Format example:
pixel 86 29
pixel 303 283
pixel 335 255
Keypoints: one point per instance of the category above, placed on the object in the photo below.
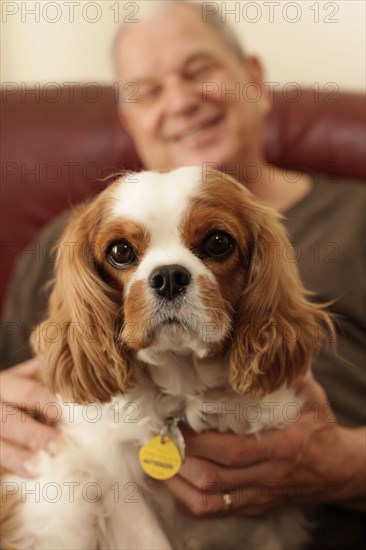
pixel 84 357
pixel 277 327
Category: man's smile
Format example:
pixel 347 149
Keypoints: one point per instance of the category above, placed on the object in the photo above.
pixel 198 132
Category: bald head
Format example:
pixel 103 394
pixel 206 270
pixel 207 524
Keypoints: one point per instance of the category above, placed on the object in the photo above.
pixel 152 11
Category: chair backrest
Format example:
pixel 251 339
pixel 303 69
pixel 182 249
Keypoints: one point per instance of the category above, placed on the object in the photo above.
pixel 56 151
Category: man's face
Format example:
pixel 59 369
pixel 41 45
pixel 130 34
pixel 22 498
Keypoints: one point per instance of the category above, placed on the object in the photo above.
pixel 191 93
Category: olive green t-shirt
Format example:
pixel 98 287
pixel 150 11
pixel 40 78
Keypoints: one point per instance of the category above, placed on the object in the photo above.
pixel 327 229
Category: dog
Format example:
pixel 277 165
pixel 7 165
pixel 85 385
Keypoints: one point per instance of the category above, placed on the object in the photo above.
pixel 172 298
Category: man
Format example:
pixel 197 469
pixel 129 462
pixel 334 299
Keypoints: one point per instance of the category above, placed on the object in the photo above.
pixel 172 55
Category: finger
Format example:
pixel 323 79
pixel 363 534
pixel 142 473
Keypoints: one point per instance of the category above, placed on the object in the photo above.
pixel 236 451
pixel 256 499
pixel 14 459
pixel 268 484
pixel 205 504
pixel 28 368
pixel 194 502
pixel 22 429
pixel 29 394
pixel 230 449
pixel 311 390
pixel 202 473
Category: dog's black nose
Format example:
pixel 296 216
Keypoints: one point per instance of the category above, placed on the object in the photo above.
pixel 170 281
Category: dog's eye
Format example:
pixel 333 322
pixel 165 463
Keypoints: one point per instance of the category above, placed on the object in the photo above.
pixel 218 245
pixel 120 254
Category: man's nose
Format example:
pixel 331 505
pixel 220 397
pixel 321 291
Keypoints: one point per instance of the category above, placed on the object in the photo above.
pixel 182 97
pixel 170 281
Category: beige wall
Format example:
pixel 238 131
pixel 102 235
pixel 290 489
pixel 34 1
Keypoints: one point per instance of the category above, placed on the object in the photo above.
pixel 310 42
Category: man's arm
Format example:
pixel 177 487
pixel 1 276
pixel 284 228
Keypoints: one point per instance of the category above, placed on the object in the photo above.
pixel 27 297
pixel 22 398
pixel 22 395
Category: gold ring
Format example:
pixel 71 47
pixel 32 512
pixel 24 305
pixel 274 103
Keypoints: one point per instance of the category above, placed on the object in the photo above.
pixel 228 503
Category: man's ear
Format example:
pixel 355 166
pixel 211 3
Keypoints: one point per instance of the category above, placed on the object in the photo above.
pixel 255 69
pixel 124 119
pixel 256 74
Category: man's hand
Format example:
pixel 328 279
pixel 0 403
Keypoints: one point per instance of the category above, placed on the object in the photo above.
pixel 312 460
pixel 22 398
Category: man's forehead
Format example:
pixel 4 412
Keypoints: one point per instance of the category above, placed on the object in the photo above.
pixel 163 41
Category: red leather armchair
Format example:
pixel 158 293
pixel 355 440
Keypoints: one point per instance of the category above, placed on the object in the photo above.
pixel 58 150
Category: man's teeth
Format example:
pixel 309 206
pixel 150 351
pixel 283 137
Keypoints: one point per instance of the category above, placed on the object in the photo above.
pixel 197 129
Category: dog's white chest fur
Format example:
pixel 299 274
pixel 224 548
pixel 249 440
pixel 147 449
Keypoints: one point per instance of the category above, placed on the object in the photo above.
pixel 94 495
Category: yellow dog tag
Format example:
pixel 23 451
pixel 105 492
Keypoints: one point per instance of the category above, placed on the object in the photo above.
pixel 160 458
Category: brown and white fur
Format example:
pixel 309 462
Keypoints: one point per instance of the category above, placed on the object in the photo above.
pixel 142 340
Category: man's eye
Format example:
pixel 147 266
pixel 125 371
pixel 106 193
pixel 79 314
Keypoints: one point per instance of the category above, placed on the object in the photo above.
pixel 218 245
pixel 199 71
pixel 148 94
pixel 120 254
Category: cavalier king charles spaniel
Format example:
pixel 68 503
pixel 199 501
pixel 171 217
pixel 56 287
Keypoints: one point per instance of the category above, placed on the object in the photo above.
pixel 173 301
